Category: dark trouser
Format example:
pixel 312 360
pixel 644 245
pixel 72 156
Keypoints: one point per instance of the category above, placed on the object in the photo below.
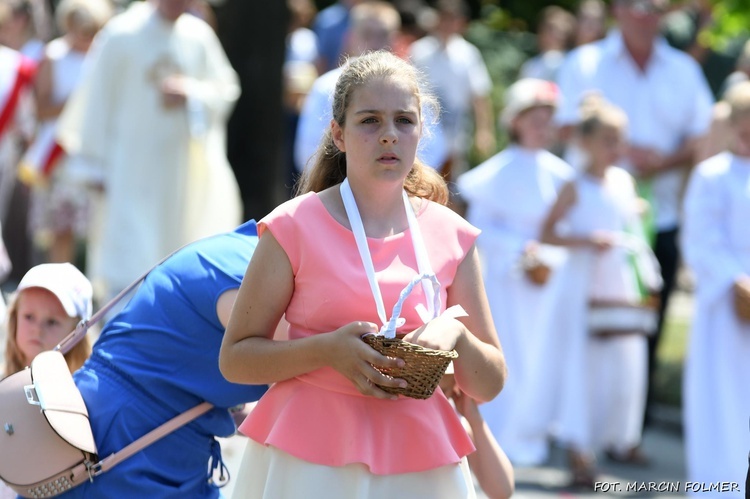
pixel 16 233
pixel 668 254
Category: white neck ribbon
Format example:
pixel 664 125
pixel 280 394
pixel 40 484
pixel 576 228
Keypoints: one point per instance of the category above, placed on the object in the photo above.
pixel 430 284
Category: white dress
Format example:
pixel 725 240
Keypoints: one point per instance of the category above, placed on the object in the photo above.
pixel 508 198
pixel 602 380
pixel 62 203
pixel 716 244
pixel 166 176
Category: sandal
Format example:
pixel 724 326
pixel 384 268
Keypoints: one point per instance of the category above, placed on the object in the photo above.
pixel 633 456
pixel 583 470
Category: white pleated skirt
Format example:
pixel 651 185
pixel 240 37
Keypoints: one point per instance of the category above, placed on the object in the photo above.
pixel 269 473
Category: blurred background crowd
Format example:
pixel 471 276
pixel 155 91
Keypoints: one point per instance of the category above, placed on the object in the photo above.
pixel 124 136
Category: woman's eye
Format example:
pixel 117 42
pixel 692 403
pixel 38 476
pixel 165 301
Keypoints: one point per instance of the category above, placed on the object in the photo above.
pixel 369 120
pixel 405 120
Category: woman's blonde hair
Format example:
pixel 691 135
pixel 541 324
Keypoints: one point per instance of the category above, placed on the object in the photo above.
pixel 329 167
pixel 14 358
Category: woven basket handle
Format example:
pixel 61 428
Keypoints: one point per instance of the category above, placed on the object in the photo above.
pixel 389 329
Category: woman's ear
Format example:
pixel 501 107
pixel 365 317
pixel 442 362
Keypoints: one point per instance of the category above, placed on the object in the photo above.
pixel 337 134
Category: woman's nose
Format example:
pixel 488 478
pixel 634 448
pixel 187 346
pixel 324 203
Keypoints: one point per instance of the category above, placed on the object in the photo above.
pixel 389 135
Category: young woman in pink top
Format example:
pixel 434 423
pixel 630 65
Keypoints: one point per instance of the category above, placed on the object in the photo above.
pixel 369 218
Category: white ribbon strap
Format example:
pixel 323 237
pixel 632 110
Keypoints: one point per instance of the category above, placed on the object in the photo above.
pixel 350 205
pixel 431 292
pixel 423 264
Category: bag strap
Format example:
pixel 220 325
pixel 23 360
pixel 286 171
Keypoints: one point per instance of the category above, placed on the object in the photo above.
pixel 149 438
pixel 157 433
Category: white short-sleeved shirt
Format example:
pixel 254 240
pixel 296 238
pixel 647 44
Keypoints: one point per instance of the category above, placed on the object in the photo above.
pixel 666 104
pixel 457 74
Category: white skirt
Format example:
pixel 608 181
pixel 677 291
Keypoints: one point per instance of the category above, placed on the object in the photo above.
pixel 269 473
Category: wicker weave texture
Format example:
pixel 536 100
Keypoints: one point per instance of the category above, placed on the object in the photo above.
pixel 423 369
pixel 742 301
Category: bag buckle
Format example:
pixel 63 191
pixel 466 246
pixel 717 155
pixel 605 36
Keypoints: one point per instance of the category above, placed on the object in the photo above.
pixel 93 470
pixel 32 397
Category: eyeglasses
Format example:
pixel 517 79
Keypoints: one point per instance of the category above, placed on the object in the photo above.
pixel 646 7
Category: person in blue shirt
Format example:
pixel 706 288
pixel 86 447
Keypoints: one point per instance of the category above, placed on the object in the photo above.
pixel 331 26
pixel 159 357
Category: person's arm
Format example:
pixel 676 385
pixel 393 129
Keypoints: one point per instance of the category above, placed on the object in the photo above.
pixel 707 212
pixel 46 108
pixel 224 310
pixel 489 463
pixel 214 91
pixel 250 354
pixel 484 134
pixel 564 202
pixel 648 162
pixel 480 368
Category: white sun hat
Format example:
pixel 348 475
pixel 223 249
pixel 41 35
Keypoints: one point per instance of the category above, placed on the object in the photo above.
pixel 525 94
pixel 64 281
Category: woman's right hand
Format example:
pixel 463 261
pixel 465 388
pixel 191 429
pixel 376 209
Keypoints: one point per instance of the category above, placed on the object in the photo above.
pixel 355 359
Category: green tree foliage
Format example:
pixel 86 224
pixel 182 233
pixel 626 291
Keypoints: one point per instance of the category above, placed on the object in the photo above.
pixel 731 22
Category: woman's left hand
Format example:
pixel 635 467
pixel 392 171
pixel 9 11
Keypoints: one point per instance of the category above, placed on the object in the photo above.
pixel 441 333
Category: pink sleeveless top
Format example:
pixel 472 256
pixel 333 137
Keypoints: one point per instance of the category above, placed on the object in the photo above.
pixel 320 417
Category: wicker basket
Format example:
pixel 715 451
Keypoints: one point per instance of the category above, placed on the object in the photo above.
pixel 536 270
pixel 423 367
pixel 742 301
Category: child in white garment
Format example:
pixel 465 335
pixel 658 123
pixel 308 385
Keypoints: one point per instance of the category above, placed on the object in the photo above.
pixel 508 197
pixel 597 216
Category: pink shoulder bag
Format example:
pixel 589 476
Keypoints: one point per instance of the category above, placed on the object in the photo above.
pixel 46 439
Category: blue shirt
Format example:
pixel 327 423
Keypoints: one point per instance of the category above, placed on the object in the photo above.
pixel 168 337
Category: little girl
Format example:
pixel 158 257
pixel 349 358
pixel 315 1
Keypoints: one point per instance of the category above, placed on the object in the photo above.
pixel 49 301
pixel 597 216
pixel 508 197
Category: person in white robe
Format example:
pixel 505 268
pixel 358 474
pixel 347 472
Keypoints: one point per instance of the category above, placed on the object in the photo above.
pixel 508 197
pixel 602 367
pixel 716 244
pixel 147 127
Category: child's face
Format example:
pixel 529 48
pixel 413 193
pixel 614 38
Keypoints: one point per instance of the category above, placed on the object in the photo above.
pixel 41 323
pixel 604 146
pixel 381 131
pixel 534 127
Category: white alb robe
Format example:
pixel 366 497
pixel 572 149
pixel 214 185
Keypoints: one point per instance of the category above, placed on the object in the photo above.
pixel 716 245
pixel 165 173
pixel 508 198
pixel 597 398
